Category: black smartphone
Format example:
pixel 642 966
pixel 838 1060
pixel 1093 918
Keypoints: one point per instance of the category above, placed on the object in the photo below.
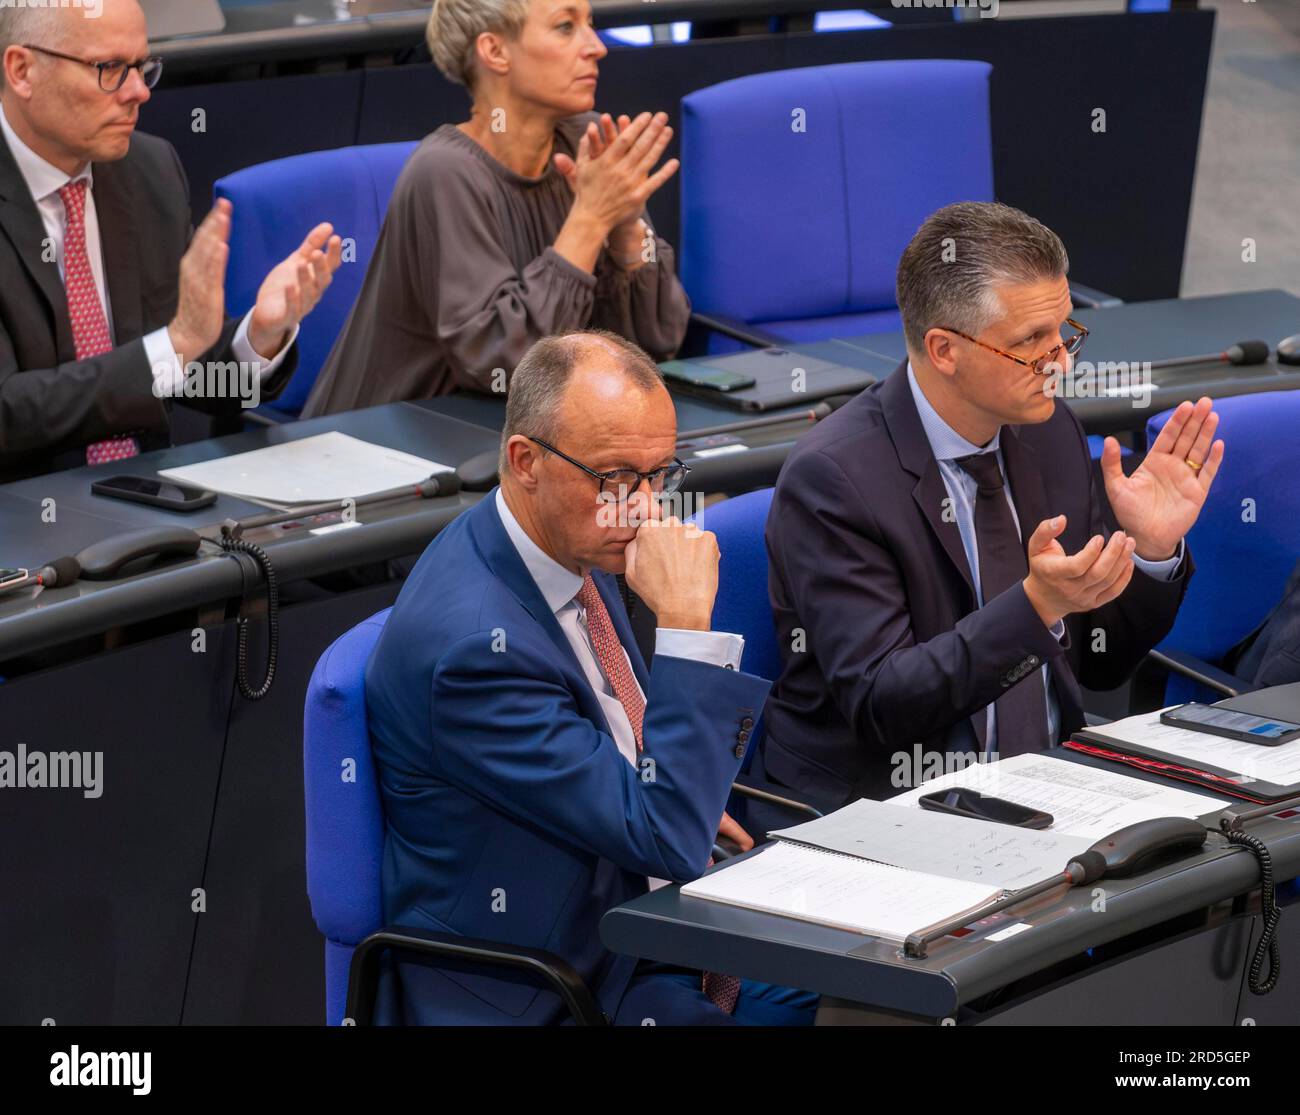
pixel 1230 724
pixel 971 803
pixel 701 375
pixel 154 493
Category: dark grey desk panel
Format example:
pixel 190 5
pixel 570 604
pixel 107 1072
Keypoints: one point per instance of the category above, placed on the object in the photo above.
pixel 27 541
pixel 1281 701
pixel 85 608
pixel 668 927
pixel 396 426
pixel 1141 331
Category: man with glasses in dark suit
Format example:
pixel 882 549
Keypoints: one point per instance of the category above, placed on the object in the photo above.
pixel 534 770
pixel 112 303
pixel 946 575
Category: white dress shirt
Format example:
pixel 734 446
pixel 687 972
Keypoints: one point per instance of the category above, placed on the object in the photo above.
pixel 44 181
pixel 560 588
pixel 948 447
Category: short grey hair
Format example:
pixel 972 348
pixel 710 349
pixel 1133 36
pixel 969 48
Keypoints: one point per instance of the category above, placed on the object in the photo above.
pixel 949 274
pixel 44 26
pixel 455 25
pixel 537 387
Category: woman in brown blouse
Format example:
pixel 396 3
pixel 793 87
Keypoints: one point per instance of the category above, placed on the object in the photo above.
pixel 525 221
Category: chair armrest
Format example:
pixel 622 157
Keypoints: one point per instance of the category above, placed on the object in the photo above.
pixel 739 330
pixel 774 799
pixel 426 947
pixel 1189 666
pixel 1090 298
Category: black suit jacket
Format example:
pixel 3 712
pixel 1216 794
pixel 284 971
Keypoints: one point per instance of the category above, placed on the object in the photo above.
pixel 897 653
pixel 51 404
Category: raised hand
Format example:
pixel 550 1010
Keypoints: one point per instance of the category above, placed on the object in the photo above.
pixel 613 175
pixel 673 567
pixel 293 289
pixel 201 300
pixel 1160 502
pixel 1061 584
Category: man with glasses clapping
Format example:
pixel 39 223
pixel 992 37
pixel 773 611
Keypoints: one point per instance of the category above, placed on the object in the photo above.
pixel 111 299
pixel 945 573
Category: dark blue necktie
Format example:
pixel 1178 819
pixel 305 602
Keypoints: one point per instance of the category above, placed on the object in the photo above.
pixel 1022 710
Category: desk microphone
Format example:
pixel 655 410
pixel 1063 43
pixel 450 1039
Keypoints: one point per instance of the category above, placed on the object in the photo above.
pixel 824 409
pixel 1125 852
pixel 61 571
pixel 1242 353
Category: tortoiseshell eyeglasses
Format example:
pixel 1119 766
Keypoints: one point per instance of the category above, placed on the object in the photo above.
pixel 1071 345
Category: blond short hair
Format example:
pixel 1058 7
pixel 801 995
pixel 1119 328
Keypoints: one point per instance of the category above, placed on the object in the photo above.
pixel 454 28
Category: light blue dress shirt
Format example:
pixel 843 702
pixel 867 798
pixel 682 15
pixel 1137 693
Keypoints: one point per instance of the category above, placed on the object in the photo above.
pixel 948 445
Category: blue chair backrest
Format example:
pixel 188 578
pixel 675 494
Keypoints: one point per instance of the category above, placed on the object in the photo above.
pixel 345 818
pixel 801 188
pixel 277 204
pixel 743 605
pixel 1247 539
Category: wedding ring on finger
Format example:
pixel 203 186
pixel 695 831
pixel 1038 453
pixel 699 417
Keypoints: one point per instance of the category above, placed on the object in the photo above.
pixel 1194 466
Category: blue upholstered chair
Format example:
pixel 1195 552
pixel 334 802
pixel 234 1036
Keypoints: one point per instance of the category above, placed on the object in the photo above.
pixel 345 848
pixel 276 205
pixel 1245 543
pixel 801 188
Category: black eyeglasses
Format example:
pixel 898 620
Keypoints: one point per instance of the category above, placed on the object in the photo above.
pixel 618 485
pixel 112 75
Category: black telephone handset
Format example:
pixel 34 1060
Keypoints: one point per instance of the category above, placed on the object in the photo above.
pixel 104 561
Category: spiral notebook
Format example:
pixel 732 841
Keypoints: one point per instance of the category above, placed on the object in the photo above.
pixel 887 870
pixel 841 891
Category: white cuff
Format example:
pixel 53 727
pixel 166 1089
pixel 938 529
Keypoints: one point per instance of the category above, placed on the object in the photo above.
pixel 245 353
pixel 1161 570
pixel 717 648
pixel 165 364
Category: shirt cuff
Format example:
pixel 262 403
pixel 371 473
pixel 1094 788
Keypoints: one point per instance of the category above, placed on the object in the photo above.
pixel 165 364
pixel 716 648
pixel 244 352
pixel 1161 570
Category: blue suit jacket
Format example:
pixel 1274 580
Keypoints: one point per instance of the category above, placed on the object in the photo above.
pixel 511 814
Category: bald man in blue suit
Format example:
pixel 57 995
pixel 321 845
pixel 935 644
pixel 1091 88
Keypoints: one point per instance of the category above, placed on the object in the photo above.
pixel 534 772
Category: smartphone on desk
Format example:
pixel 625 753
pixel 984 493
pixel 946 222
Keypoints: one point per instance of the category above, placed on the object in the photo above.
pixel 701 375
pixel 982 807
pixel 154 493
pixel 1231 724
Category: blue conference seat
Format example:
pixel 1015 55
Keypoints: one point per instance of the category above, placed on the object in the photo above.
pixel 801 188
pixel 276 205
pixel 345 849
pixel 1245 543
pixel 742 604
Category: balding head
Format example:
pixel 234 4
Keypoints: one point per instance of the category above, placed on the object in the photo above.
pixel 601 401
pixel 56 105
pixel 538 404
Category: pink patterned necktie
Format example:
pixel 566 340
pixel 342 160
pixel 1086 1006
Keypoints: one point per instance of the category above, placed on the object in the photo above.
pixel 722 990
pixel 90 332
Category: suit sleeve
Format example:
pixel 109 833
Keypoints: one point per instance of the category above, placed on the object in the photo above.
pixel 850 598
pixel 1137 619
pixel 507 729
pixel 77 403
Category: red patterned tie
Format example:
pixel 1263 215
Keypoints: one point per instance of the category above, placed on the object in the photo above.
pixel 90 332
pixel 722 990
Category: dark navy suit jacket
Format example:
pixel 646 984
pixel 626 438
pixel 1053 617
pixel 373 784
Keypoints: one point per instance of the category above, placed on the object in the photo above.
pixel 896 653
pixel 511 813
